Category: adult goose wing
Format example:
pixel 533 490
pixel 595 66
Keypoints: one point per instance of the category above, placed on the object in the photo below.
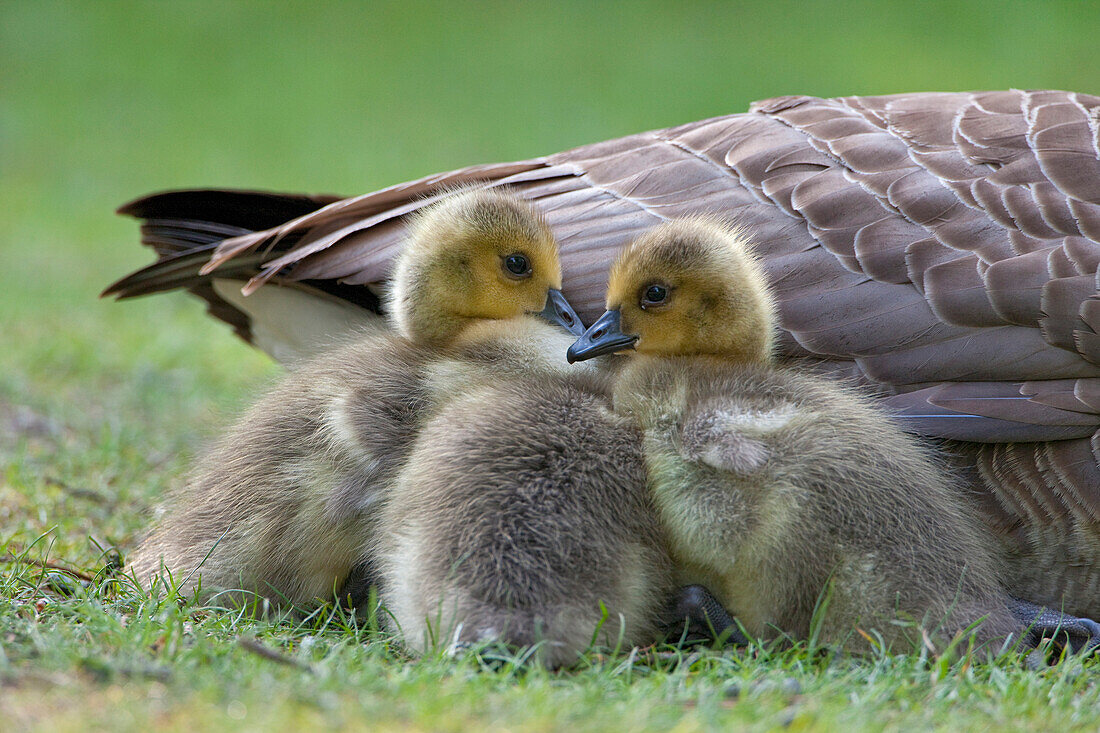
pixel 940 246
pixel 916 241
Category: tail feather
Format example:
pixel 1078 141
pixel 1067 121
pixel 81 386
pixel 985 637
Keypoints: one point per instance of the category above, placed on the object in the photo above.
pixel 180 270
pixel 250 210
pixel 185 227
pixel 167 236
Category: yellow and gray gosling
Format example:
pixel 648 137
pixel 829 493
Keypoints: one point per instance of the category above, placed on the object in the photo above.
pixel 288 501
pixel 780 489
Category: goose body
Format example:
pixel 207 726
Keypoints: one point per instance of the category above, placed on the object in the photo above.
pixel 781 490
pixel 286 506
pixel 941 249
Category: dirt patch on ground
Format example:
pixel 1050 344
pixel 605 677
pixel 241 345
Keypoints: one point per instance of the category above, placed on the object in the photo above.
pixel 24 427
pixel 18 421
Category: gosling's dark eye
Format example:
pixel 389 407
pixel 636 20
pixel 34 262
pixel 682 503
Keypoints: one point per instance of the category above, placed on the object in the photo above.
pixel 654 295
pixel 517 265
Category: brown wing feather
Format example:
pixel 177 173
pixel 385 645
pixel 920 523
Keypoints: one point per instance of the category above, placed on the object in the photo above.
pixel 1043 502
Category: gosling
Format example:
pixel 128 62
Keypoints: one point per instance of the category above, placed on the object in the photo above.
pixel 288 502
pixel 522 517
pixel 787 494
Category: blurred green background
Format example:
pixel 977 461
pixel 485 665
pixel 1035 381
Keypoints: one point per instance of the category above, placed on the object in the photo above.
pixel 104 101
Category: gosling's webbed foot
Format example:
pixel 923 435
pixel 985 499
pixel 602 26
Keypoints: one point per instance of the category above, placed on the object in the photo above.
pixel 705 616
pixel 1077 635
pixel 356 592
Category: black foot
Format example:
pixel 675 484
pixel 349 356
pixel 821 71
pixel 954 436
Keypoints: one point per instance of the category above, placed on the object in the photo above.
pixel 1076 635
pixel 356 591
pixel 706 618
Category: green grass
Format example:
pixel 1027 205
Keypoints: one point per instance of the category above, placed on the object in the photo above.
pixel 112 657
pixel 103 406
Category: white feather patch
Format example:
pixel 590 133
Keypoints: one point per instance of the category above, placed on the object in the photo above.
pixel 757 421
pixel 295 323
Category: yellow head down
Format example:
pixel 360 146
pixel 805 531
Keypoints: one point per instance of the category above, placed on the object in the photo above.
pixel 474 255
pixel 693 286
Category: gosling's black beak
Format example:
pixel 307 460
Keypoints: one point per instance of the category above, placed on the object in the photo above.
pixel 605 336
pixel 559 312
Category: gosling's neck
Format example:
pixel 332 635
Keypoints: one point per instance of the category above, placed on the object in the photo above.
pixel 524 347
pixel 524 344
pixel 760 356
pixel 418 318
pixel 654 387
